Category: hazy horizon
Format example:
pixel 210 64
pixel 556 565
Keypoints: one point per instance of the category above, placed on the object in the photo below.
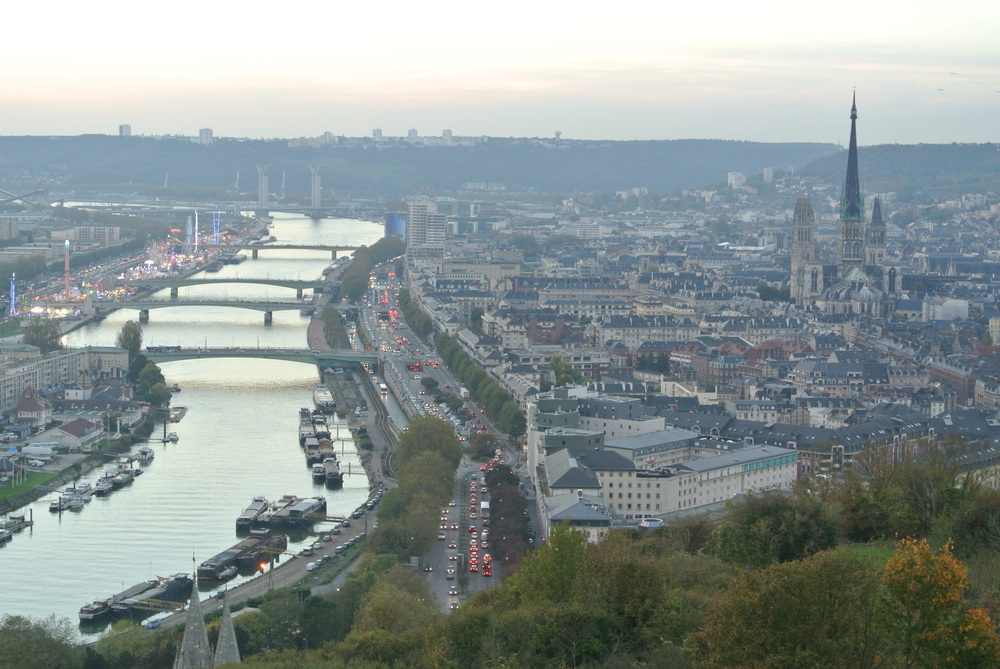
pixel 763 72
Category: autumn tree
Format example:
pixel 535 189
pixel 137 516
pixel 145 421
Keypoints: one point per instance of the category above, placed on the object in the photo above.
pixel 48 643
pixel 925 613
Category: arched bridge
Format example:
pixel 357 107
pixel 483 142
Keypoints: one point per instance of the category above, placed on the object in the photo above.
pixel 326 357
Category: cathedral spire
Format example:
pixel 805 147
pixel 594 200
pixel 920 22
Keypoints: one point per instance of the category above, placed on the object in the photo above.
pixel 852 203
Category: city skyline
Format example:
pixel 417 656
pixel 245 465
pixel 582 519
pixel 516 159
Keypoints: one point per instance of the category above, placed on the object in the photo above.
pixel 760 72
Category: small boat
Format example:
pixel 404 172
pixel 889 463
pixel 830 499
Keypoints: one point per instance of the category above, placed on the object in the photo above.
pixel 228 572
pixel 145 454
pixel 173 437
pixel 5 536
pixel 175 388
pixel 103 487
pixel 74 503
pixel 319 472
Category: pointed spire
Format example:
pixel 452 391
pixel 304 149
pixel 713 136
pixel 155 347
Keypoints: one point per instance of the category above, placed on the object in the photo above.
pixel 852 202
pixel 226 648
pixel 877 221
pixel 194 651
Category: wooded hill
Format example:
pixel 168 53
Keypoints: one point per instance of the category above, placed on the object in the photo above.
pixel 143 164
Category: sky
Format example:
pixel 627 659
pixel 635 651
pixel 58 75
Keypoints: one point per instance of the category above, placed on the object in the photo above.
pixel 770 71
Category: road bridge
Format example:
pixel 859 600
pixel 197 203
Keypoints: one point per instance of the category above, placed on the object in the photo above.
pixel 255 248
pixel 175 284
pixel 327 357
pixel 144 306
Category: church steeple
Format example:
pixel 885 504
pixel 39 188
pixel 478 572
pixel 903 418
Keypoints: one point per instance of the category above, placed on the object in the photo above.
pixel 852 204
pixel 852 207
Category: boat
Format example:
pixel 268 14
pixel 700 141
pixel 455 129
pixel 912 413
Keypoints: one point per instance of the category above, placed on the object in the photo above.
pixel 250 514
pixel 103 487
pixel 175 388
pixel 74 503
pixel 214 266
pixel 323 399
pixel 145 454
pixel 334 477
pixel 5 536
pixel 130 600
pixel 177 413
pixel 298 512
pixel 173 437
pixel 176 587
pixel 319 472
pixel 15 523
pixel 214 567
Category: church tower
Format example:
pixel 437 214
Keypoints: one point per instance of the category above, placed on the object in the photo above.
pixel 803 250
pixel 875 234
pixel 852 207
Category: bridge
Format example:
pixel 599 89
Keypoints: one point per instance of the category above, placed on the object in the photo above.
pixel 326 357
pixel 175 284
pixel 143 306
pixel 255 248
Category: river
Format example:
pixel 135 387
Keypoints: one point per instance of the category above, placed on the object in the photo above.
pixel 237 440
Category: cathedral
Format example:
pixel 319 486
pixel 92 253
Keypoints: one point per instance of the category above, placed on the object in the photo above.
pixel 863 280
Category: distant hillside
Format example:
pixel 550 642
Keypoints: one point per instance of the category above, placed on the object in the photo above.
pixel 938 171
pixel 140 163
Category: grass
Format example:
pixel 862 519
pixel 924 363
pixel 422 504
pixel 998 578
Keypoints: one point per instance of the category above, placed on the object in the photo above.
pixel 8 490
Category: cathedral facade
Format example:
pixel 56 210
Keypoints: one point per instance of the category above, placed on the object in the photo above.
pixel 863 280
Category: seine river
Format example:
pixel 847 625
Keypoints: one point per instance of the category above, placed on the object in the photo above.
pixel 238 440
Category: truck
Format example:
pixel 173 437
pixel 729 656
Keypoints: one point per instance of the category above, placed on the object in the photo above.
pixel 463 392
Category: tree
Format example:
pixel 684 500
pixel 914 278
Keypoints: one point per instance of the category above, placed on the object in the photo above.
pixel 925 613
pixel 130 339
pixel 817 612
pixel 483 445
pixel 43 333
pixel 48 643
pixel 562 371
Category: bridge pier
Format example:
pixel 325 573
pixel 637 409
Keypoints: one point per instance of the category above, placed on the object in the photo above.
pixel 144 315
pixel 174 293
pixel 298 293
pixel 268 316
pixel 253 254
pixel 333 255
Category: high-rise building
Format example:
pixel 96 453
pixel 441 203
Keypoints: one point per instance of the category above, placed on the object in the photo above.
pixel 737 180
pixel 377 135
pixel 768 175
pixel 205 137
pixel 425 231
pixel 125 130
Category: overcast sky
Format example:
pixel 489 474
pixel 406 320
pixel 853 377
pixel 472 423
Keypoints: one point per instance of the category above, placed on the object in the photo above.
pixel 772 70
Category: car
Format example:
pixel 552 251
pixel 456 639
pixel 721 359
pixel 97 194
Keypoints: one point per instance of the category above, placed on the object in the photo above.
pixel 453 606
pixel 453 545
pixel 453 592
pixel 487 572
pixel 484 543
pixel 473 567
pixel 327 538
pixel 451 570
pixel 441 534
pixel 452 557
pixel 312 566
pixel 317 546
pixel 335 530
pixel 346 523
pixel 449 577
pixel 428 568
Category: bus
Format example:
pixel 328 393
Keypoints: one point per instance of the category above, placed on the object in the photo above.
pixel 384 389
pixel 484 510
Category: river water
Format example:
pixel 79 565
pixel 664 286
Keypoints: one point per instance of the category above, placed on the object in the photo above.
pixel 238 439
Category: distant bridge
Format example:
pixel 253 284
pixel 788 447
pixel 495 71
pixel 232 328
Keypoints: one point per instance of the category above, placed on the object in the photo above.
pixel 254 248
pixel 175 284
pixel 143 306
pixel 326 357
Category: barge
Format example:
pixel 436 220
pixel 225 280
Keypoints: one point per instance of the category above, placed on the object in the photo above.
pixel 247 551
pixel 250 514
pixel 334 477
pixel 172 588
pixel 298 512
